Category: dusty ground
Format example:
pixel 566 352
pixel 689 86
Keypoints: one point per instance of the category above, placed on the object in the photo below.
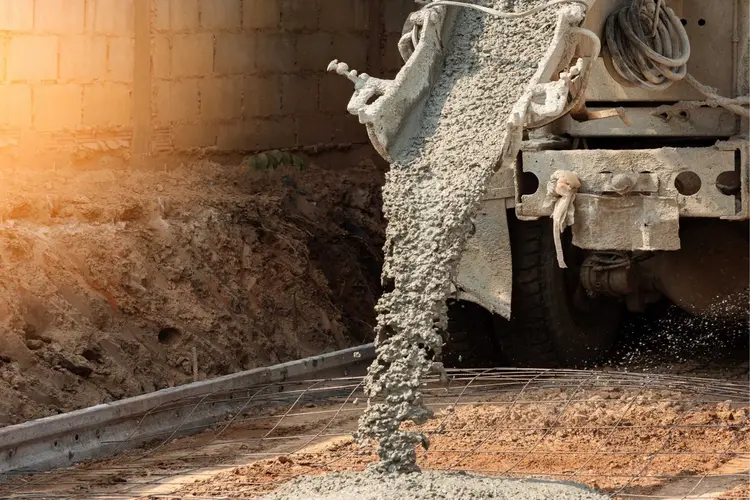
pixel 113 274
pixel 648 443
pixel 604 441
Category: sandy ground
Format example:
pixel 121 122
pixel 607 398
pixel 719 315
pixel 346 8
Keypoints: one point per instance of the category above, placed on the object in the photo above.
pixel 119 279
pixel 602 441
pixel 653 443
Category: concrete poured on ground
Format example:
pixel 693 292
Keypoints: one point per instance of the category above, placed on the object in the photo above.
pixel 427 486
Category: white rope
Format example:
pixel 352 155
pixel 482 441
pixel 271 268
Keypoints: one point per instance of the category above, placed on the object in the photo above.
pixel 562 188
pixel 736 105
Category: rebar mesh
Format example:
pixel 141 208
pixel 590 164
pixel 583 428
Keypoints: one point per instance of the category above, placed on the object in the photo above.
pixel 628 435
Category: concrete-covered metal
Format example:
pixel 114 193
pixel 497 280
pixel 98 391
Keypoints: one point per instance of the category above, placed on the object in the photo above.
pixel 102 430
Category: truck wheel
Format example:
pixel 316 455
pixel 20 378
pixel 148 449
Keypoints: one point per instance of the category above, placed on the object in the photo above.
pixel 468 339
pixel 554 322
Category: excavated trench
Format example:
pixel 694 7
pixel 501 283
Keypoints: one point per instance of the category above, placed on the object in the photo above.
pixel 118 278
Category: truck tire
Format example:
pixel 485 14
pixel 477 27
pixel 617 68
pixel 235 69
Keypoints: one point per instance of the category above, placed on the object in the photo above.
pixel 554 322
pixel 468 339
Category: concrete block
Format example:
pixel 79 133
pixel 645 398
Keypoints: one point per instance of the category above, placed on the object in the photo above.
pixel 299 94
pixel 59 16
pixel 347 129
pixel 221 14
pixel 121 59
pixel 184 15
pixel 192 55
pixel 32 58
pixel 392 60
pixel 235 53
pixel 395 13
pixel 161 57
pixel 221 98
pixel 345 15
pixel 257 135
pixel 274 53
pixel 177 101
pixel 262 96
pixel 161 13
pixel 176 15
pixel 274 133
pixel 194 136
pixel 335 93
pixel 350 48
pixel 107 104
pixel 15 106
pixel 110 17
pixel 234 137
pixel 3 54
pixel 313 129
pixel 261 14
pixel 300 14
pixel 16 15
pixel 57 107
pixel 314 51
pixel 83 57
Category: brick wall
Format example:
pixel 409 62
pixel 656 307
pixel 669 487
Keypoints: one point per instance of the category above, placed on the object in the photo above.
pixel 67 65
pixel 178 74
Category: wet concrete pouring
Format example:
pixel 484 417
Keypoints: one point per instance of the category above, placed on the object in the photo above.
pixel 435 182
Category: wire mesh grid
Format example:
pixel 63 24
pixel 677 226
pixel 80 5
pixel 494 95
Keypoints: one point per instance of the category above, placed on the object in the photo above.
pixel 628 435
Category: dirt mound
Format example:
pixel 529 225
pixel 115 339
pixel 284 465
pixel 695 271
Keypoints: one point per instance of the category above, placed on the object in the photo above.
pixel 116 280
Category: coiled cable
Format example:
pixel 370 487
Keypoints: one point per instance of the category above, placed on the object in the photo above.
pixel 649 47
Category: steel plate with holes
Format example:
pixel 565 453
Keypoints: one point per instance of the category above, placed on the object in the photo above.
pixel 653 171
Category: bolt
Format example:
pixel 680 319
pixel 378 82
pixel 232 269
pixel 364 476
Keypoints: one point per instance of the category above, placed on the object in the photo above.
pixel 622 183
pixel 664 116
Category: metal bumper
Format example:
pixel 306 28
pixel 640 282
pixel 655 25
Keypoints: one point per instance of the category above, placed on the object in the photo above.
pixel 633 199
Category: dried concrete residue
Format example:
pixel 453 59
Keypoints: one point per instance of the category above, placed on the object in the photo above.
pixel 428 486
pixel 435 182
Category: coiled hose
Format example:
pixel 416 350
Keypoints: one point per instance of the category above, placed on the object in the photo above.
pixel 649 47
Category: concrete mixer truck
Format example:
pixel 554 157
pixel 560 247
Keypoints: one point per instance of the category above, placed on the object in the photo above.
pixel 623 176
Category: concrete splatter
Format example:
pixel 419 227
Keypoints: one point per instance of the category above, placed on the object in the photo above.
pixel 428 486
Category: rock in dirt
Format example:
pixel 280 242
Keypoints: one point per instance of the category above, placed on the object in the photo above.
pixel 427 486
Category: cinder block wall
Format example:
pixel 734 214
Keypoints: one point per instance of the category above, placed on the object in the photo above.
pixel 67 65
pixel 161 75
